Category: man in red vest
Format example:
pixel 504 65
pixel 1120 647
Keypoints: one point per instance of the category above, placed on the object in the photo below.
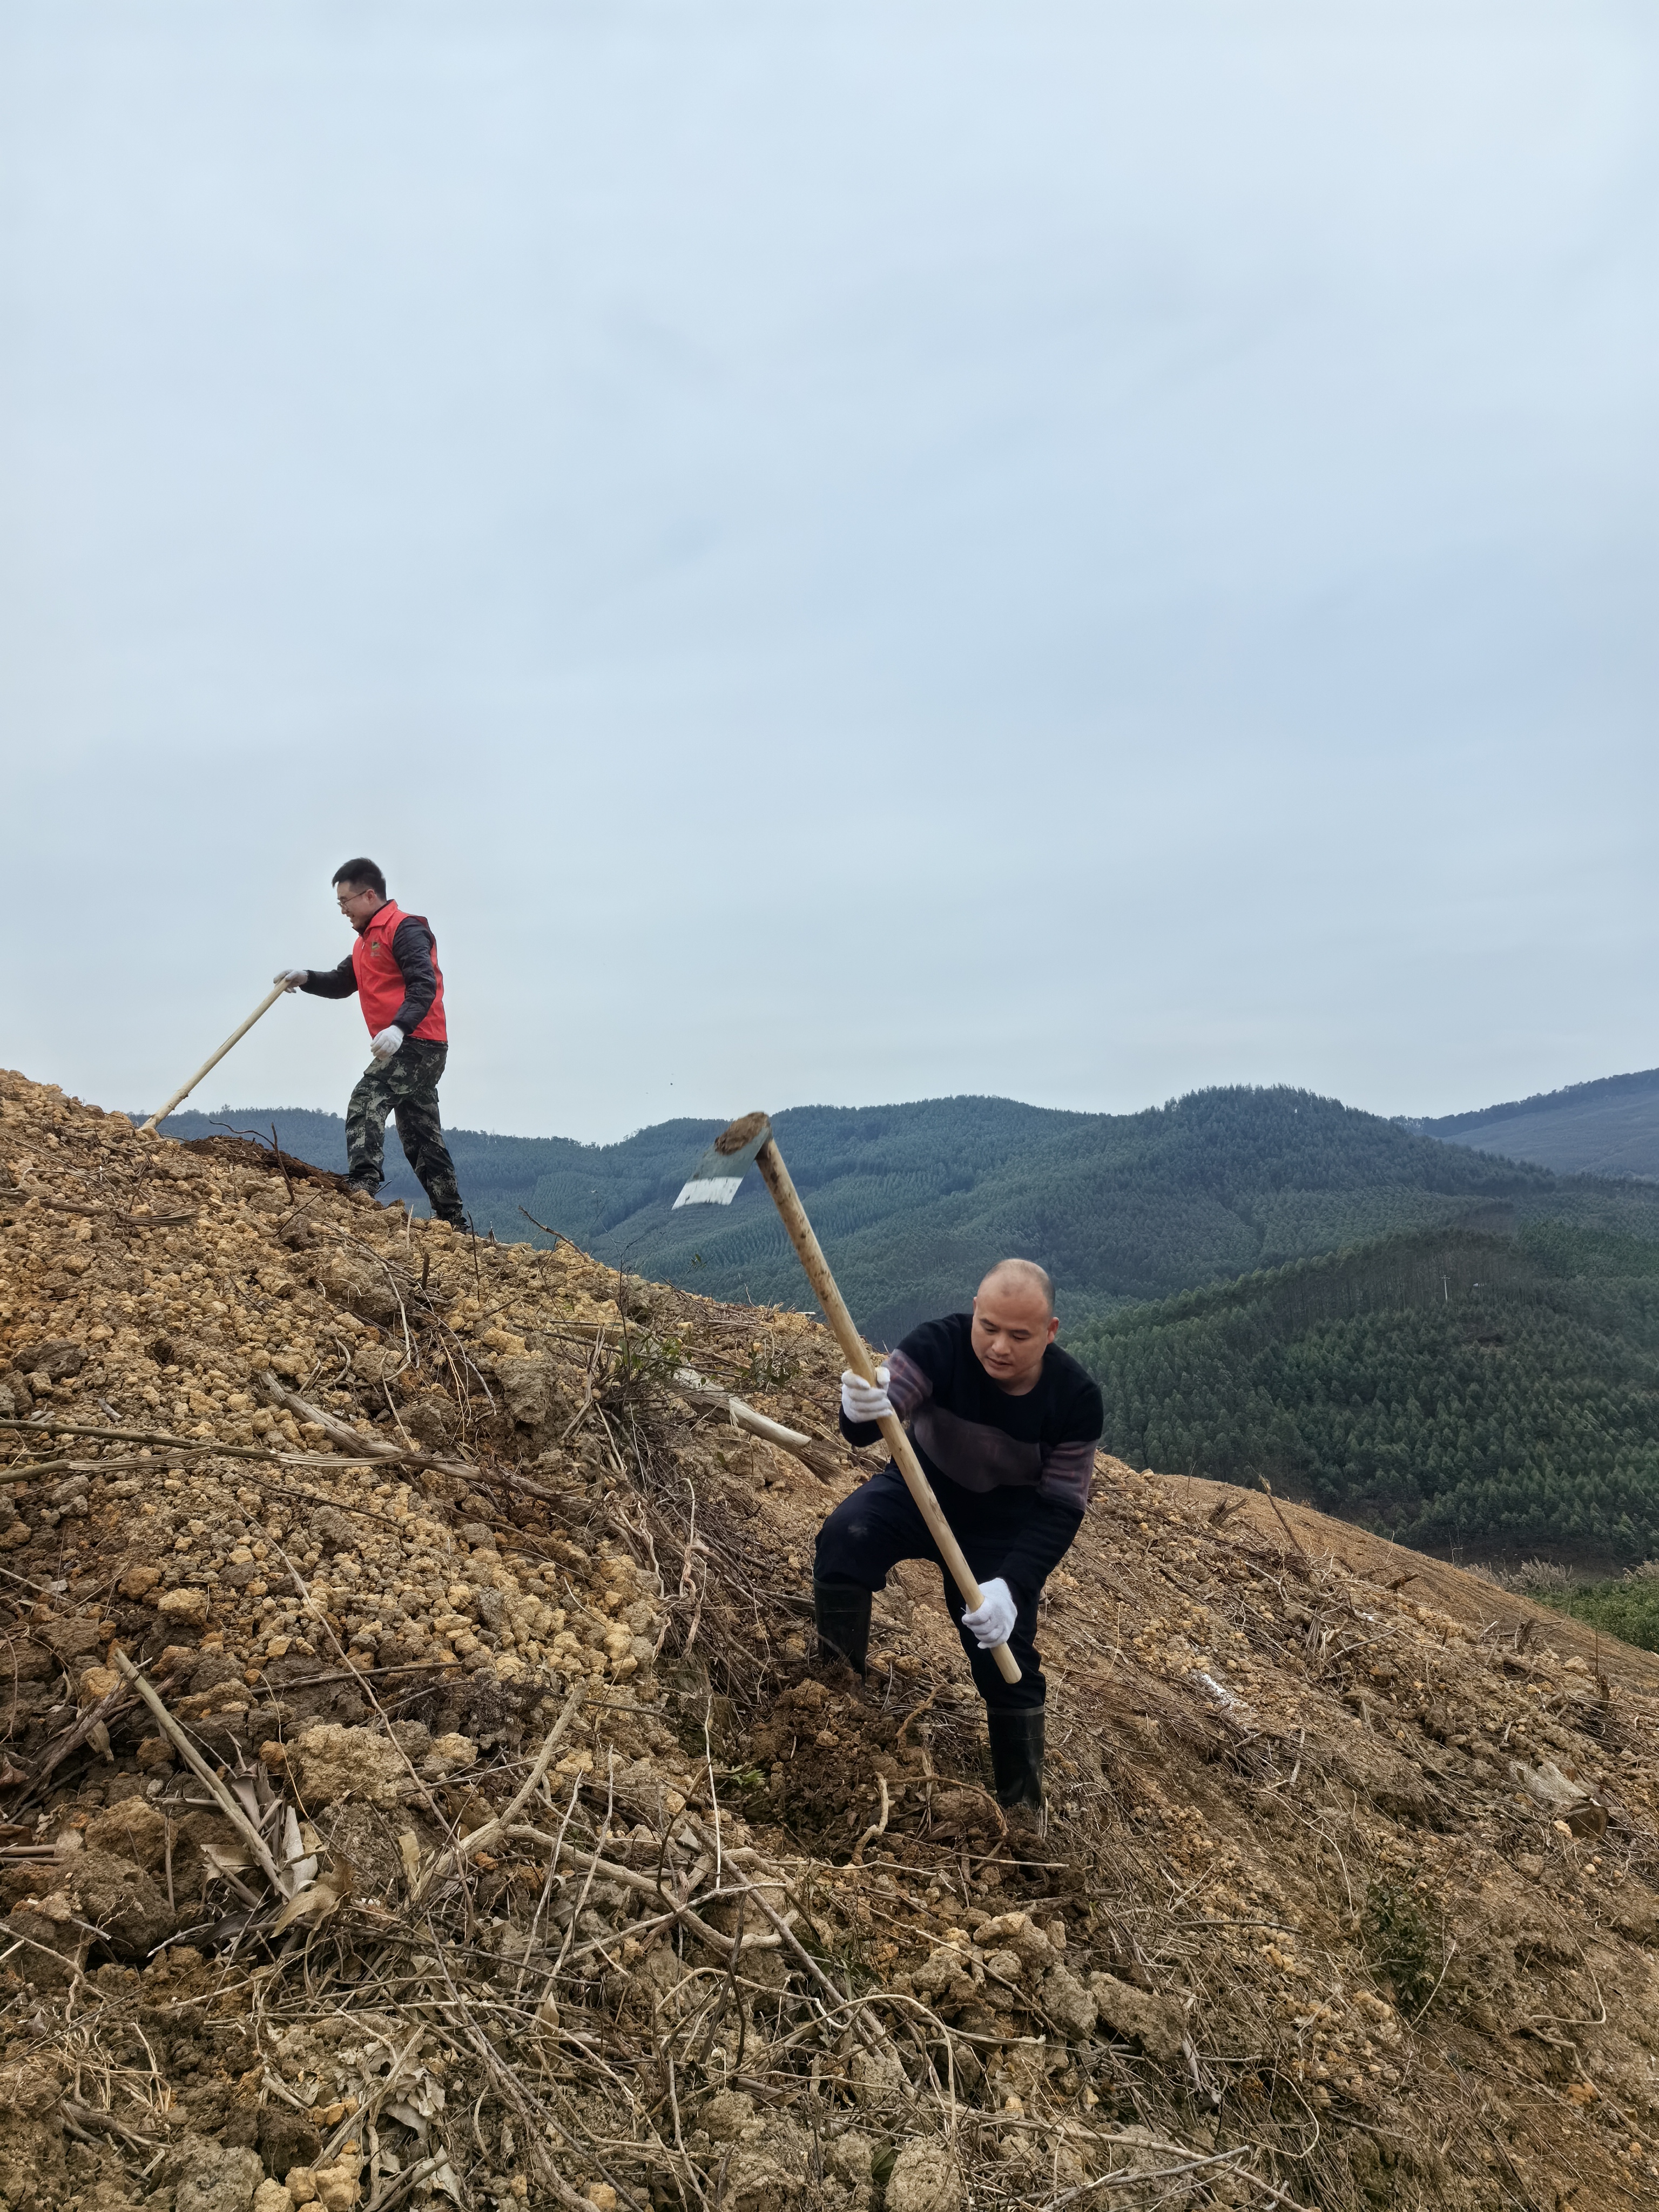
pixel 393 968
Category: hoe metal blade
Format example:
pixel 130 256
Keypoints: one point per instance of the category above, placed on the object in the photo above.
pixel 718 1173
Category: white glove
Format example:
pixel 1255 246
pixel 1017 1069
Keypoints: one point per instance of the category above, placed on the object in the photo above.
pixel 991 1623
pixel 865 1401
pixel 290 978
pixel 384 1046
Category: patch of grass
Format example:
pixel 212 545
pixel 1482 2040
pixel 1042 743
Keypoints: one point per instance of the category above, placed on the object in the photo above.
pixel 1627 1608
pixel 1403 1948
pixel 769 1367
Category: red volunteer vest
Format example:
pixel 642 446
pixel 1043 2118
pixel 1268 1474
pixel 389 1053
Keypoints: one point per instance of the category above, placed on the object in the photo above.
pixel 381 987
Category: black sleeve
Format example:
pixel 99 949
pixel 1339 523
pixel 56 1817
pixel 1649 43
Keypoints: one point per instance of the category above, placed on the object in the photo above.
pixel 1044 1538
pixel 411 948
pixel 1068 1451
pixel 860 1433
pixel 339 982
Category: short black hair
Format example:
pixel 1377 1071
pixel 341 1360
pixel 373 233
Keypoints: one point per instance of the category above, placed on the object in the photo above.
pixel 364 874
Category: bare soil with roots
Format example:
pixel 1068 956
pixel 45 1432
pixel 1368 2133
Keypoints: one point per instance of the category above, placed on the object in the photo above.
pixel 417 1784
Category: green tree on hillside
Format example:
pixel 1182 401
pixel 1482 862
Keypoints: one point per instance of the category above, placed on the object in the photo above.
pixel 1472 1390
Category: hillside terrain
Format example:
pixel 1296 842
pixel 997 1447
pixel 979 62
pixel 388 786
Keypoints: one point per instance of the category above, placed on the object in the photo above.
pixel 920 1200
pixel 497 1174
pixel 417 1786
pixel 1608 1127
pixel 1495 1395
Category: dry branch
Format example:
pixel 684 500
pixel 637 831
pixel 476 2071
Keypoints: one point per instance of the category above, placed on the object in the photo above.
pixel 199 1767
pixel 811 1454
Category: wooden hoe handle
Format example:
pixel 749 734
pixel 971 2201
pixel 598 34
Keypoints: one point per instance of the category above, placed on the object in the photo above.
pixel 162 1112
pixel 769 1161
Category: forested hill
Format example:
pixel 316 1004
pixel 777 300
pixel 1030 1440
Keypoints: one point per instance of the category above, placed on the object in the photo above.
pixel 914 1201
pixel 1609 1127
pixel 1454 1390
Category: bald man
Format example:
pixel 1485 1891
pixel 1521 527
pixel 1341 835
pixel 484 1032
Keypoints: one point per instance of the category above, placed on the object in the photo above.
pixel 1005 1426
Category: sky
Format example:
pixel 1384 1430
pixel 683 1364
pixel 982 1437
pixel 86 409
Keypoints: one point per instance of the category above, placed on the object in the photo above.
pixel 840 550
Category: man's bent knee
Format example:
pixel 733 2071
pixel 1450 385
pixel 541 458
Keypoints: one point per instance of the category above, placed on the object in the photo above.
pixel 847 1555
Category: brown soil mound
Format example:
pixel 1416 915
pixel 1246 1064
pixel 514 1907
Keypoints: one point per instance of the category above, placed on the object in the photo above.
pixel 475 1827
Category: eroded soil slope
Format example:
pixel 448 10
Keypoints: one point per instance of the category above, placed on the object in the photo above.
pixel 417 1786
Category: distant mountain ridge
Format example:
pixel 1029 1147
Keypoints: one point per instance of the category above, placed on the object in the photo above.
pixel 1609 1126
pixel 915 1201
pixel 1643 1083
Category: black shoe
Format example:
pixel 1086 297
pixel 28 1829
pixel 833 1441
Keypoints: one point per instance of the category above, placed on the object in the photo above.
pixel 1016 1757
pixel 455 1221
pixel 841 1613
pixel 367 1185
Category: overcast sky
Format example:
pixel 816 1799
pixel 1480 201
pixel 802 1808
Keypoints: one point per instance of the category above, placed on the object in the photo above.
pixel 840 549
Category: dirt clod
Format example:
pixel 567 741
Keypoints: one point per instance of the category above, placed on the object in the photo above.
pixel 924 2178
pixel 328 1763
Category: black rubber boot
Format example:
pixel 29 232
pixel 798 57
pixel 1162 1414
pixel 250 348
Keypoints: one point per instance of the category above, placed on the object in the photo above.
pixel 1016 1758
pixel 841 1613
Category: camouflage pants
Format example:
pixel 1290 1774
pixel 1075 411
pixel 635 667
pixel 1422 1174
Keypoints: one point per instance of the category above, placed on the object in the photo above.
pixel 406 1084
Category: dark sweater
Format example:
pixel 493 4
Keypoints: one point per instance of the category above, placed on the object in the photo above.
pixel 1024 1461
pixel 411 948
